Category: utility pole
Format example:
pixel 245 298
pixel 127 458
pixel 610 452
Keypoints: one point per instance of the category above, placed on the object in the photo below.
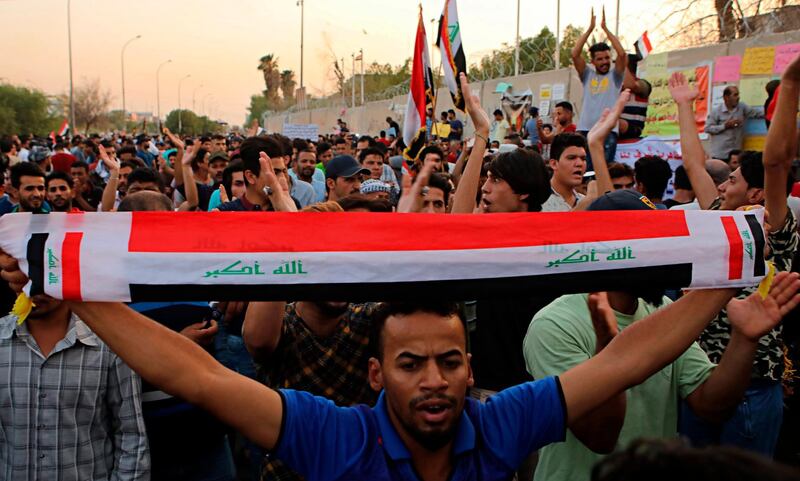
pixel 353 79
pixel 122 61
pixel 73 128
pixel 516 48
pixel 158 87
pixel 302 28
pixel 558 34
pixel 361 56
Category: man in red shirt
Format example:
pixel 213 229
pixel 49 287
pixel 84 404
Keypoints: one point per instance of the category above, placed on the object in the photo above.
pixel 562 121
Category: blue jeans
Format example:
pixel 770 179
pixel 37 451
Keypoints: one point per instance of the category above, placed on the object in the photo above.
pixel 212 464
pixel 231 353
pixel 754 426
pixel 610 148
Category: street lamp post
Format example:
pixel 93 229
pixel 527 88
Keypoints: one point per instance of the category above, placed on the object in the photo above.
pixel 180 120
pixel 302 28
pixel 73 127
pixel 516 47
pixel 353 79
pixel 194 94
pixel 558 34
pixel 361 56
pixel 158 87
pixel 616 21
pixel 122 62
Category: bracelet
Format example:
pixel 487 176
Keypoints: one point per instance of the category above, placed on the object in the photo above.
pixel 485 140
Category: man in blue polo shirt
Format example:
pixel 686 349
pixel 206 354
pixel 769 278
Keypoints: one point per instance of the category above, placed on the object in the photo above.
pixel 423 426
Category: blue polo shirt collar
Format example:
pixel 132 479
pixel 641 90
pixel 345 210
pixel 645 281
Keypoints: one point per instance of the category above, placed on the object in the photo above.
pixel 396 449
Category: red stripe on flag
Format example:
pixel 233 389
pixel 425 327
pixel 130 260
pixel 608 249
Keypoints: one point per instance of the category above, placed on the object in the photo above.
pixel 646 41
pixel 71 266
pixel 736 256
pixel 353 232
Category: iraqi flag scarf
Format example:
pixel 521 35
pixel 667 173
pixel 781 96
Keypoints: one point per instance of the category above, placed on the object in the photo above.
pixel 167 256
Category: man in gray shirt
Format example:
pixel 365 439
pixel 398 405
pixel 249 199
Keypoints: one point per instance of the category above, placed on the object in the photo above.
pixel 725 124
pixel 601 84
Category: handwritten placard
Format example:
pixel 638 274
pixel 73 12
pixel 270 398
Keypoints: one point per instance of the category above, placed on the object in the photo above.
pixel 301 131
pixel 726 69
pixel 784 54
pixel 751 91
pixel 758 61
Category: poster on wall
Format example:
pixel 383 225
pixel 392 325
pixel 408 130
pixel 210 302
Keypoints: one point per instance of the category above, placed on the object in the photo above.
pixel 662 112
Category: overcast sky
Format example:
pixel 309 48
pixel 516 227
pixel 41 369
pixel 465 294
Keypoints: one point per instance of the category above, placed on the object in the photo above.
pixel 219 42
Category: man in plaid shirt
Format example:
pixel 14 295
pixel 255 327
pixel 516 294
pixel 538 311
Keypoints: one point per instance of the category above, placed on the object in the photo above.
pixel 70 409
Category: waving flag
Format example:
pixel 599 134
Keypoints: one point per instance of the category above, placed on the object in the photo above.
pixel 643 44
pixel 420 95
pixel 453 60
pixel 167 256
pixel 62 131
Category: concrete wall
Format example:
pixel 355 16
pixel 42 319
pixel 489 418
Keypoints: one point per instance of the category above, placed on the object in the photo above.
pixel 371 117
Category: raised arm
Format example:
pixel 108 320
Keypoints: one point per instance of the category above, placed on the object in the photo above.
pixel 458 170
pixel 263 324
pixel 781 146
pixel 621 63
pixel 694 157
pixel 464 201
pixel 189 188
pixel 411 199
pixel 596 139
pixel 577 50
pixel 110 190
pixel 648 345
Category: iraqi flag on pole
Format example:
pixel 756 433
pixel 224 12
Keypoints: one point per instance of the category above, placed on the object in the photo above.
pixel 420 95
pixel 64 129
pixel 168 256
pixel 453 60
pixel 643 45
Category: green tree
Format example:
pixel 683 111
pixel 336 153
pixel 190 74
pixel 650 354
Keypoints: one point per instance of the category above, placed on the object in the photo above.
pixel 191 123
pixel 258 106
pixel 268 64
pixel 288 84
pixel 23 110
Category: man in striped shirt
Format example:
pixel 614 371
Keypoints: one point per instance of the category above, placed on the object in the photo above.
pixel 70 408
pixel 632 120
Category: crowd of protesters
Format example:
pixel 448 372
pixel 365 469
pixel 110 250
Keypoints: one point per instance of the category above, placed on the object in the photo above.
pixel 306 389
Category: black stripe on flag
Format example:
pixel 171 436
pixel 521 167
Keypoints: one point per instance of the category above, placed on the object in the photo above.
pixel 669 276
pixel 759 269
pixel 36 262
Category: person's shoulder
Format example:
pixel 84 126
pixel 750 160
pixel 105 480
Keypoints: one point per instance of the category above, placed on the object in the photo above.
pixel 563 310
pixel 232 205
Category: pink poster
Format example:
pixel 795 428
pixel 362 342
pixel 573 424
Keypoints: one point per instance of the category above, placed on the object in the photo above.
pixel 726 69
pixel 784 54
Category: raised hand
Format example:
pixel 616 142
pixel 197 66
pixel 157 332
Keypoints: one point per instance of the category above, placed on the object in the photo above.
pixel 754 317
pixel 200 334
pixel 111 164
pixel 411 199
pixel 175 140
pixel 280 198
pixel 604 320
pixel 473 104
pixel 223 194
pixel 11 273
pixel 603 20
pixel 680 89
pixel 609 119
pixel 593 21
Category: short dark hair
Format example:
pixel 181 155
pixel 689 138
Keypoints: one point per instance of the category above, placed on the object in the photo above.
pixel 131 165
pixel 227 174
pixel 564 140
pixel 654 173
pixel 252 147
pixel 729 90
pixel 682 179
pixel 431 149
pixel 323 147
pixel 58 175
pixel 217 137
pixel 619 169
pixel 438 181
pixel 752 167
pixel 387 309
pixel 359 201
pixel 145 201
pixel 669 459
pixel 143 174
pixel 198 156
pixel 369 151
pixel 5 145
pixel 525 172
pixel 366 138
pixel 597 48
pixel 299 144
pixel 731 154
pixel 79 164
pixel 497 112
pixel 126 150
pixel 339 141
pixel 204 139
pixel 565 105
pixel 285 144
pixel 451 111
pixel 23 169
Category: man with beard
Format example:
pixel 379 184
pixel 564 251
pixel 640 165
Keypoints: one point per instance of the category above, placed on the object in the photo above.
pixel 217 162
pixel 28 179
pixel 343 177
pixel 71 408
pixel 568 332
pixel 59 188
pixel 318 347
pixel 601 83
pixel 305 168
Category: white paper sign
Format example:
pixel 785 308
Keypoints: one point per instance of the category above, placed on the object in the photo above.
pixel 559 90
pixel 301 131
pixel 544 108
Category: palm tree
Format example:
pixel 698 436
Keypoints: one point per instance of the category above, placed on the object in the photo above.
pixel 288 85
pixel 268 64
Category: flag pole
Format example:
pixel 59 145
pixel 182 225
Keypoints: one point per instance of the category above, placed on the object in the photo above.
pixel 433 80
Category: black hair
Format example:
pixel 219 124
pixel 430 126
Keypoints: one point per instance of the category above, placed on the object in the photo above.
pixel 380 147
pixel 369 151
pixel 359 201
pixel 564 140
pixel 728 90
pixel 143 174
pixel 771 86
pixel 648 87
pixel 126 150
pixel 438 181
pixel 525 172
pixel 732 153
pixel 22 169
pixel 5 145
pixel 299 144
pixel 79 164
pixel 250 152
pixel 682 179
pixel 670 459
pixel 339 141
pixel 58 175
pixel 145 201
pixel 619 169
pixel 107 144
pixel 205 139
pixel 752 167
pixel 451 111
pixel 385 310
pixel 227 174
pixel 323 147
pixel 497 112
pixel 431 149
pixel 597 48
pixel 285 143
pixel 217 137
pixel 654 173
pixel 198 157
pixel 132 165
pixel 366 138
pixel 566 106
